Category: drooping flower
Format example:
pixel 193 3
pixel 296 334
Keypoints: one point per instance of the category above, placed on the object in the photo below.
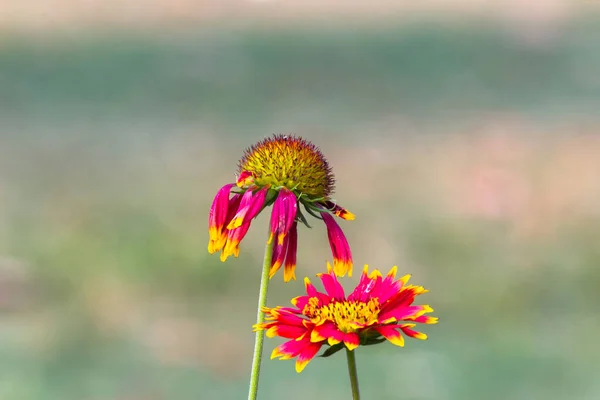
pixel 286 172
pixel 379 308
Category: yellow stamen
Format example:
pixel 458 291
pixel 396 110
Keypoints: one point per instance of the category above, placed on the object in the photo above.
pixel 348 316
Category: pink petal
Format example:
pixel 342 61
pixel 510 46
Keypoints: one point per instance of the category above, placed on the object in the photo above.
pixel 342 256
pixel 219 207
pixel 332 286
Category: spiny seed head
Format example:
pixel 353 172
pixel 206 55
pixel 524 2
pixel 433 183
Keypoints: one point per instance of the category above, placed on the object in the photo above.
pixel 290 162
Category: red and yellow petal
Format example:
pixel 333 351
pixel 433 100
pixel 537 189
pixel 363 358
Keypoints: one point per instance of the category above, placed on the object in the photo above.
pixel 391 333
pixel 342 256
pixel 411 333
pixel 338 211
pixel 351 340
pixel 326 331
pixel 290 256
pixel 307 354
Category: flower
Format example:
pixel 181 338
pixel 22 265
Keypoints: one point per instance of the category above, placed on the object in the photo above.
pixel 286 172
pixel 379 308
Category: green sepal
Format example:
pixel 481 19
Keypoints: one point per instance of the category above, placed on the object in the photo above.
pixel 332 350
pixel 302 218
pixel 311 210
pixel 271 196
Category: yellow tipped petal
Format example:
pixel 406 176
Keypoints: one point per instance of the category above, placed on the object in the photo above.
pixel 392 273
pixel 300 365
pixel 397 340
pixel 405 279
pixel 375 274
pixel 288 274
pixel 235 223
pixel 306 282
pixel 329 268
pixel 332 341
pixel 351 346
pixel 276 353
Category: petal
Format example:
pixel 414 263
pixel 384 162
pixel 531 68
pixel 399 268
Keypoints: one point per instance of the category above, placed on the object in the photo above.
pixel 342 256
pixel 218 209
pixel 338 211
pixel 351 340
pixel 250 206
pixel 234 237
pixel 246 178
pixel 331 285
pixel 278 256
pixel 326 331
pixel 217 217
pixel 290 257
pixel 307 354
pixel 402 312
pixel 365 287
pixel 286 331
pixel 413 334
pixel 283 215
pixel 289 349
pixel 425 319
pixel 390 332
pixel 243 209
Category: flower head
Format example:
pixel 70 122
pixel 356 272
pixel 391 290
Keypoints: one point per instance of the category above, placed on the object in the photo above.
pixel 379 308
pixel 286 172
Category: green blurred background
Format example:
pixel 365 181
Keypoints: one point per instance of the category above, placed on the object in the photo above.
pixel 463 135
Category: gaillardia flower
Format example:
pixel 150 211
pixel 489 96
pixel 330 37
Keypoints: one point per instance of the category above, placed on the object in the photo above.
pixel 379 308
pixel 286 172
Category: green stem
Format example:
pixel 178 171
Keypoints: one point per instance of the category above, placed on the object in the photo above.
pixel 260 318
pixel 353 374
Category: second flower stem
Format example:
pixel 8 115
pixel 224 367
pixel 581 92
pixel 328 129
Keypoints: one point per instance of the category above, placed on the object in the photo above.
pixel 260 318
pixel 353 375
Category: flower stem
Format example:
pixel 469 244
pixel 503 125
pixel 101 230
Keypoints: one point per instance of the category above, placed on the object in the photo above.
pixel 260 318
pixel 353 374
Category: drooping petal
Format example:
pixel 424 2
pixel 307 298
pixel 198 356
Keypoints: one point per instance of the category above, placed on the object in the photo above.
pixel 278 256
pixel 290 257
pixel 338 211
pixel 283 215
pixel 342 256
pixel 217 217
pixel 250 205
pixel 249 208
pixel 234 237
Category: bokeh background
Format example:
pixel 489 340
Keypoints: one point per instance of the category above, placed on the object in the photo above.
pixel 464 135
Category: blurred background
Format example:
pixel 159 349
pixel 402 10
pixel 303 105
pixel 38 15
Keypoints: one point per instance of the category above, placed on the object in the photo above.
pixel 464 135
